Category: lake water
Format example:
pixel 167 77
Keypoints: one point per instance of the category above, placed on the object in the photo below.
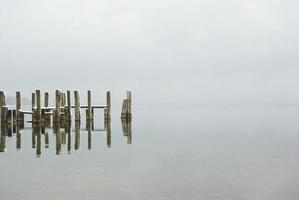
pixel 210 153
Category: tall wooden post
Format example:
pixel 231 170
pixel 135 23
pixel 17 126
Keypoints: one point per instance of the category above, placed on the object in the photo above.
pixel 89 117
pixel 129 108
pixel 108 109
pixel 69 106
pixel 2 104
pixel 58 106
pixel 38 106
pixel 77 106
pixel 47 118
pixel 18 106
pixel 33 107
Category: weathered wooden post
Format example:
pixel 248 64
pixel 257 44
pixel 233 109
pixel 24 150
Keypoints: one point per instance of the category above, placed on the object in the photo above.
pixel 38 106
pixel 69 106
pixel 108 109
pixel 18 106
pixel 77 106
pixel 89 117
pixel 4 113
pixel 33 108
pixel 58 106
pixel 2 99
pixel 129 108
pixel 47 118
pixel 2 109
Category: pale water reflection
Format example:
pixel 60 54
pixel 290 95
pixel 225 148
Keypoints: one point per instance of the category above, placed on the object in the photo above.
pixel 60 135
pixel 209 153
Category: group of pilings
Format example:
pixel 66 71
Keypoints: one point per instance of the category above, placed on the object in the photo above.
pixel 61 112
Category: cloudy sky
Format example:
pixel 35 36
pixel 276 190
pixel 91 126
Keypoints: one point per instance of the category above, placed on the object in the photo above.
pixel 172 52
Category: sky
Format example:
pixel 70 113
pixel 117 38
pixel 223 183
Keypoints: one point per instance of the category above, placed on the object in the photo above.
pixel 168 52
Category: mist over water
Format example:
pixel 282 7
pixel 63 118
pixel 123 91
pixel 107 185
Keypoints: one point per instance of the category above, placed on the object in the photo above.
pixel 215 98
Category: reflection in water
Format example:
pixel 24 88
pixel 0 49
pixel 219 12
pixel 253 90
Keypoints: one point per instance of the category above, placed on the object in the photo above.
pixel 41 136
pixel 127 129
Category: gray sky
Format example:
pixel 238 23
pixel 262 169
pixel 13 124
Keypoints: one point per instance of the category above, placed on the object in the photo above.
pixel 169 52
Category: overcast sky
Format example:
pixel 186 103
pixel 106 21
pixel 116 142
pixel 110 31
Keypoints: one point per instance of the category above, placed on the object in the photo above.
pixel 166 51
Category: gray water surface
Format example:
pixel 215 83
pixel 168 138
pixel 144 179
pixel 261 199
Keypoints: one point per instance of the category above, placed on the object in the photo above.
pixel 212 153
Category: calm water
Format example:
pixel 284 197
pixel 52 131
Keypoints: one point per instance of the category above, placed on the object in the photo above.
pixel 212 153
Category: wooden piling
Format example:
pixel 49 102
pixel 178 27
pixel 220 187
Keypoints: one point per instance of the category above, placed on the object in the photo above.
pixel 58 106
pixel 77 106
pixel 33 107
pixel 107 111
pixel 89 116
pixel 4 114
pixel 129 108
pixel 69 106
pixel 38 106
pixel 2 98
pixel 2 103
pixel 18 106
pixel 47 118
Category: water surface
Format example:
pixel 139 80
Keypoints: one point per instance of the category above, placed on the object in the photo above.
pixel 213 153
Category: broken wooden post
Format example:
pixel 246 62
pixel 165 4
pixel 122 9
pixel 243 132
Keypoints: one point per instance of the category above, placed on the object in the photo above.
pixel 38 106
pixel 77 106
pixel 58 106
pixel 69 106
pixel 33 107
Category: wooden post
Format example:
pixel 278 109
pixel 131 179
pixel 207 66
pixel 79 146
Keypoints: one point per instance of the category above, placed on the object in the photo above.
pixel 18 106
pixel 38 106
pixel 69 106
pixel 58 106
pixel 46 99
pixel 77 106
pixel 88 117
pixel 4 112
pixel 2 103
pixel 129 106
pixel 107 111
pixel 33 107
pixel 2 98
pixel 47 118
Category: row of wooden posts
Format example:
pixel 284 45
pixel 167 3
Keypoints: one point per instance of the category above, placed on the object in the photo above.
pixel 62 110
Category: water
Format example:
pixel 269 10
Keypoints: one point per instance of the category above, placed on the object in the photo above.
pixel 212 153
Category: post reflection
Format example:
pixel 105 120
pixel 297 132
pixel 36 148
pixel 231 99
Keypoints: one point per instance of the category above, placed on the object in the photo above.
pixel 127 129
pixel 43 137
